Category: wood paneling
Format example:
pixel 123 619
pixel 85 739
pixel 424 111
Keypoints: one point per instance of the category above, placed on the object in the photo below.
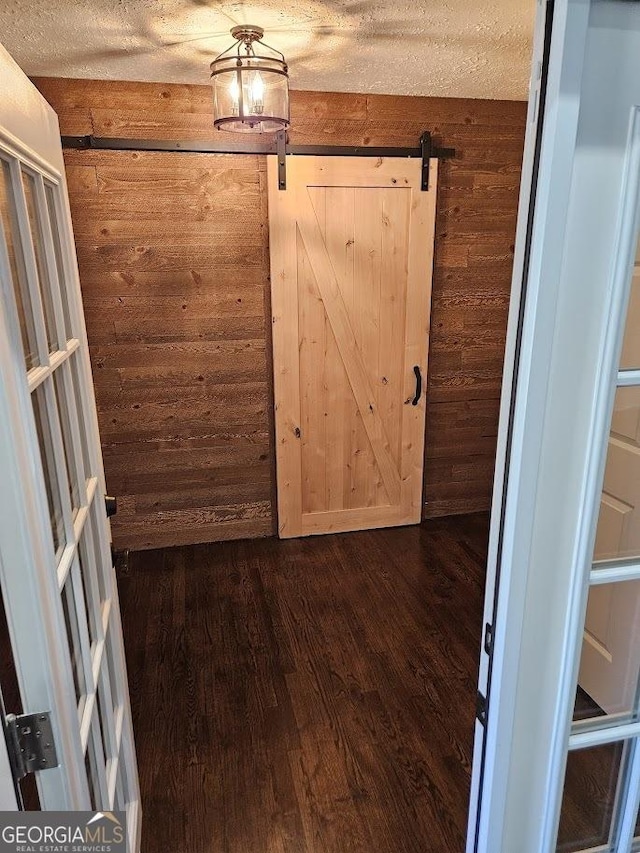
pixel 174 275
pixel 157 232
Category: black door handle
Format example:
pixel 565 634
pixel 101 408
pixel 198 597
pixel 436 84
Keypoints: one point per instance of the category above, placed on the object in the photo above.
pixel 416 399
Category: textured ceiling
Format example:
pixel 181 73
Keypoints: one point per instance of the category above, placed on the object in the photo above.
pixel 455 48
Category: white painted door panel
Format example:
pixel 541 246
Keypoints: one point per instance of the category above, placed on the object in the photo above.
pixel 58 584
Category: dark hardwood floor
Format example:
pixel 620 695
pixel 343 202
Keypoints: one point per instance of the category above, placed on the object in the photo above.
pixel 307 696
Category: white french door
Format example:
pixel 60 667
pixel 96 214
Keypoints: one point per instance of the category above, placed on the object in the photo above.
pixel 557 755
pixel 58 584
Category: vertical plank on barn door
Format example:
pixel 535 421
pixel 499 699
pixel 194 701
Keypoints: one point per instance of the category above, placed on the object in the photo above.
pixel 283 239
pixel 351 265
pixel 338 400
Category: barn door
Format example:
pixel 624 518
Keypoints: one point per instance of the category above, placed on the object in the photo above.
pixel 351 263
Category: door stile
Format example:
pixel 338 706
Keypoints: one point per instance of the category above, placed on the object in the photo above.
pixel 565 366
pixel 630 801
pixel 126 759
pixel 283 240
pixel 418 321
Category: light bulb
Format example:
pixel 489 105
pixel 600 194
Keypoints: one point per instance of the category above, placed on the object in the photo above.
pixel 257 93
pixel 234 91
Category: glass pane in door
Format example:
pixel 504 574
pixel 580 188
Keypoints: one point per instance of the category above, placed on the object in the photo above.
pixel 618 530
pixel 630 357
pixel 91 769
pixel 52 486
pixel 94 615
pixel 122 786
pixel 67 422
pixel 38 246
pixel 73 639
pixel 76 382
pixel 610 661
pixel 16 267
pixel 56 231
pixel 589 799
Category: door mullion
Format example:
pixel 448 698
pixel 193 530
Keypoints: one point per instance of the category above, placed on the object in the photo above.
pixel 37 375
pixel 29 255
pixel 83 513
pixel 614 572
pixel 628 378
pixel 604 735
pixel 631 802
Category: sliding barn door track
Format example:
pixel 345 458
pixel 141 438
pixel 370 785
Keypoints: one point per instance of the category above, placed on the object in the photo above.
pixel 425 150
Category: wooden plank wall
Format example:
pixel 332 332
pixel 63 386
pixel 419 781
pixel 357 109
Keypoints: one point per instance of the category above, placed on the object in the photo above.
pixel 173 254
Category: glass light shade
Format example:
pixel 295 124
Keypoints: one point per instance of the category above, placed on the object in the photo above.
pixel 250 93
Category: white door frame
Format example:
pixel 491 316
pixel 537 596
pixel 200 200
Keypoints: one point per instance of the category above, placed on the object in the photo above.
pixel 545 522
pixel 8 792
pixel 530 165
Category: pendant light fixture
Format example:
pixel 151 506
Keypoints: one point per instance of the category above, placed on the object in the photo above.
pixel 250 87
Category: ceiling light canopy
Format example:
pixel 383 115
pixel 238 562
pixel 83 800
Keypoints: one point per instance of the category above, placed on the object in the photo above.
pixel 250 87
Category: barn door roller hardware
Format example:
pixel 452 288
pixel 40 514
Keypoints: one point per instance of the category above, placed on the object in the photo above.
pixel 278 146
pixel 426 151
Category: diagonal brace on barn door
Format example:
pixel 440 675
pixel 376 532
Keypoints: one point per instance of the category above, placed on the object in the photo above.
pixel 329 289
